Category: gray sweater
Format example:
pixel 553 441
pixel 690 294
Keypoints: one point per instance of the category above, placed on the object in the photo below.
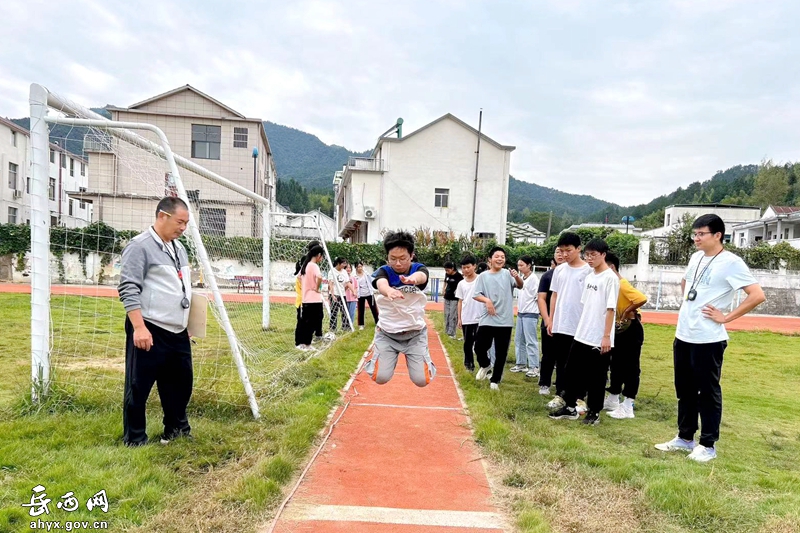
pixel 149 281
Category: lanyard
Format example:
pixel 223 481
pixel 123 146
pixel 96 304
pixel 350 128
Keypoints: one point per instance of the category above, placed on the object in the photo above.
pixel 176 262
pixel 697 278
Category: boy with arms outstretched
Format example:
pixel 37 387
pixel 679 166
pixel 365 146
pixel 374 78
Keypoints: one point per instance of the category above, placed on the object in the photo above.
pixel 401 310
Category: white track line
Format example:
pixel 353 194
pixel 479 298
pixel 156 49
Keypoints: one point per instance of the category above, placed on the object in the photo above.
pixel 389 515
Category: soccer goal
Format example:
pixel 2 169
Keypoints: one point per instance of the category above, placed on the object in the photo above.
pixel 94 185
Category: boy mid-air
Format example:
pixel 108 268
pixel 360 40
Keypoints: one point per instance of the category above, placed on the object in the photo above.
pixel 401 310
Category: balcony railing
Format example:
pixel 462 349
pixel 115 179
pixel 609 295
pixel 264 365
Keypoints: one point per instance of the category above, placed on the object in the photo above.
pixel 97 143
pixel 365 163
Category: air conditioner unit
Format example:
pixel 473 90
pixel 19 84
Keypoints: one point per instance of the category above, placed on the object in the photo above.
pixel 17 194
pixel 369 212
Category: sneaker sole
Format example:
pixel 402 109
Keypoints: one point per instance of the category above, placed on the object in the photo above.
pixel 565 417
pixel 673 449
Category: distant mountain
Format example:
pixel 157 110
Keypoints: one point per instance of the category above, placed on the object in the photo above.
pixel 71 137
pixel 304 158
pixel 523 195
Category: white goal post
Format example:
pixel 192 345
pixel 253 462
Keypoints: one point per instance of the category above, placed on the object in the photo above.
pixel 260 360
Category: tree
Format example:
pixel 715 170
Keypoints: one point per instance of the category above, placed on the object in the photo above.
pixel 771 185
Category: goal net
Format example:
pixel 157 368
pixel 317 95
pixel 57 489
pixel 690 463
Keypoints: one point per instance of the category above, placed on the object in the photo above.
pixel 95 184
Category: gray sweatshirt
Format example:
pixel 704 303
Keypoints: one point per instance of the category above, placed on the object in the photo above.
pixel 149 281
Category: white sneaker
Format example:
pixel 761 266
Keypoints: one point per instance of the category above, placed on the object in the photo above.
pixel 623 411
pixel 611 404
pixel 532 373
pixel 360 328
pixel 544 391
pixel 580 407
pixel 519 368
pixel 483 373
pixel 494 386
pixel 677 445
pixel 329 336
pixel 556 403
pixel 702 454
pixel 303 347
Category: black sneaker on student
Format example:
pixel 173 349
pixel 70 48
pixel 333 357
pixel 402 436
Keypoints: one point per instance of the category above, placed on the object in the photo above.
pixel 565 413
pixel 591 419
pixel 166 439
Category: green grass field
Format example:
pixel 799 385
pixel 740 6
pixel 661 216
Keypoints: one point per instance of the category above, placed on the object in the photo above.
pixel 229 479
pixel 561 476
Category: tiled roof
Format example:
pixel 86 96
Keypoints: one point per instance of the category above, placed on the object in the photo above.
pixel 784 210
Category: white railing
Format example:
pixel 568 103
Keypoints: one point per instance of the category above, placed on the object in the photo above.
pixel 365 163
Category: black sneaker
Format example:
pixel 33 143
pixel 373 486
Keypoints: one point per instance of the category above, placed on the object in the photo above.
pixel 591 419
pixel 166 439
pixel 565 413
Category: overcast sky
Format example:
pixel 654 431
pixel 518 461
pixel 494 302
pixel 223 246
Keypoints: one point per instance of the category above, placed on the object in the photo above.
pixel 622 100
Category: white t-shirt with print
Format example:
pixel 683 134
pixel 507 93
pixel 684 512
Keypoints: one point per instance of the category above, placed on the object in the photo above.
pixel 471 309
pixel 528 295
pixel 716 284
pixel 600 293
pixel 338 278
pixel 568 283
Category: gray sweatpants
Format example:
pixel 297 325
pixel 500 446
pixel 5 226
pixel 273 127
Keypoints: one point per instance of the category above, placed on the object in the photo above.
pixel 387 348
pixel 450 316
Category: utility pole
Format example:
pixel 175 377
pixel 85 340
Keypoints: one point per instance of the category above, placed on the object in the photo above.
pixel 477 161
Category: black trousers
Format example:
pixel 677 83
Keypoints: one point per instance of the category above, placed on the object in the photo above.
pixel 698 369
pixel 501 336
pixel 311 315
pixel 625 361
pixel 562 344
pixel 370 301
pixel 337 308
pixel 168 365
pixel 470 332
pixel 587 369
pixel 548 360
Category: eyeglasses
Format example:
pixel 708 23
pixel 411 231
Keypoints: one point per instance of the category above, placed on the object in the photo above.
pixel 591 255
pixel 697 234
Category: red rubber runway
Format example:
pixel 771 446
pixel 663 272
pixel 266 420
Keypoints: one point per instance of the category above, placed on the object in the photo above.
pixel 401 459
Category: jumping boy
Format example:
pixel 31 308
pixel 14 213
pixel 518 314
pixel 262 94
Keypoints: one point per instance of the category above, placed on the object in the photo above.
pixel 587 367
pixel 401 310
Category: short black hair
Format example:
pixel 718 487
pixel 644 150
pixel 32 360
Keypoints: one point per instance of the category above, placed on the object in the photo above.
pixel 482 267
pixel 569 239
pixel 528 260
pixel 712 222
pixel 398 239
pixel 338 261
pixel 612 259
pixel 449 264
pixel 497 249
pixel 170 204
pixel 468 260
pixel 596 245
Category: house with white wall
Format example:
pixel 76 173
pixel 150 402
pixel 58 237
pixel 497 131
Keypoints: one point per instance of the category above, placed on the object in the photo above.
pixel 126 185
pixel 311 225
pixel 426 179
pixel 524 233
pixel 730 215
pixel 622 228
pixel 777 224
pixel 68 176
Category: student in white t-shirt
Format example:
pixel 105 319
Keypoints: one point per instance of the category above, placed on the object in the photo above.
pixel 525 341
pixel 566 306
pixel 338 283
pixel 712 278
pixel 401 319
pixel 589 357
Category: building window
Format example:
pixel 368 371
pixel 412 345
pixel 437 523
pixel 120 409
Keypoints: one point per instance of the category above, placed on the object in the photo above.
pixel 206 141
pixel 83 204
pixel 441 197
pixel 83 169
pixel 51 189
pixel 52 156
pixel 12 176
pixel 668 218
pixel 53 221
pixel 240 137
pixel 212 221
pixel 70 207
pixel 12 215
pixel 14 139
pixel 71 167
pixel 63 160
pixel 28 185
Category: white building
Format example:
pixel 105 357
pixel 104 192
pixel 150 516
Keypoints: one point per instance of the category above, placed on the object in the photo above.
pixel 69 175
pixel 622 228
pixel 777 224
pixel 426 180
pixel 126 185
pixel 730 215
pixel 524 233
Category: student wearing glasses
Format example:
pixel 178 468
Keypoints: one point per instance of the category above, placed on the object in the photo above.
pixel 711 280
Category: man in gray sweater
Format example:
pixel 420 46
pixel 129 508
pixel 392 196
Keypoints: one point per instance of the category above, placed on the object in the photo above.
pixel 156 290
